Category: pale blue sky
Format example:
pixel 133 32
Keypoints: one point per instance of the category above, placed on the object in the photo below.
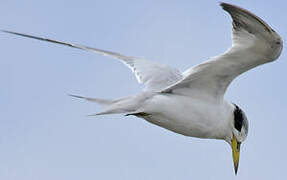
pixel 45 134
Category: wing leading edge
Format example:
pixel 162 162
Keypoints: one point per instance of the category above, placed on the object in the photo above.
pixel 154 75
pixel 254 43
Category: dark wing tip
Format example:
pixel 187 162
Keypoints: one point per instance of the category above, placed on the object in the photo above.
pixel 43 39
pixel 76 96
pixel 236 12
pixel 11 32
pixel 226 5
pixel 4 30
pixel 223 4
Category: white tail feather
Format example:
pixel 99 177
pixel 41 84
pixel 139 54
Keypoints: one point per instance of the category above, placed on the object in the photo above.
pixel 117 106
pixel 96 100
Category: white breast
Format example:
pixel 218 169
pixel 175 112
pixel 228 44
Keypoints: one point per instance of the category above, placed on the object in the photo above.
pixel 189 116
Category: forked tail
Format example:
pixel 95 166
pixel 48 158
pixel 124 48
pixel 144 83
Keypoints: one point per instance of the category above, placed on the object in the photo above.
pixel 118 106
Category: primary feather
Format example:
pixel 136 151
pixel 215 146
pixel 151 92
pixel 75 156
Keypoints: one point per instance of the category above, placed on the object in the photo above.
pixel 154 75
pixel 253 43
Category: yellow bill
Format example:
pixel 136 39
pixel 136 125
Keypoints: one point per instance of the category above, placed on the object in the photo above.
pixel 235 153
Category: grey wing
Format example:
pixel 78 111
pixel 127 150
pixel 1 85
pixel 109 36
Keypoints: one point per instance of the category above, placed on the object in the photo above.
pixel 153 75
pixel 253 43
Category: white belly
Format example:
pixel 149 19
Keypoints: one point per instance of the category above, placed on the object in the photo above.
pixel 187 116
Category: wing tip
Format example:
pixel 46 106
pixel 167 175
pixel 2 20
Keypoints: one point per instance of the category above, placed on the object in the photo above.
pixel 225 5
pixel 228 6
pixel 231 7
pixel 2 30
pixel 7 31
pixel 233 10
pixel 76 96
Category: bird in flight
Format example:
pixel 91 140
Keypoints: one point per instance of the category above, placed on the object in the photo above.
pixel 192 103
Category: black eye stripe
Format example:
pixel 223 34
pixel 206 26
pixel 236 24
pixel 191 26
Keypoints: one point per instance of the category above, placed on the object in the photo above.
pixel 238 118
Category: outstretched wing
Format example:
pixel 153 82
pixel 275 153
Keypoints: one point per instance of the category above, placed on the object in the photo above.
pixel 155 76
pixel 253 43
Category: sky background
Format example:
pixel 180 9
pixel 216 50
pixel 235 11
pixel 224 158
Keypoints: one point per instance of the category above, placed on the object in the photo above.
pixel 45 134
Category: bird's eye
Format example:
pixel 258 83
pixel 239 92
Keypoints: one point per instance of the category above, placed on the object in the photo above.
pixel 278 42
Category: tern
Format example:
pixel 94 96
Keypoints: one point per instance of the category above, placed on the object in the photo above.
pixel 192 103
